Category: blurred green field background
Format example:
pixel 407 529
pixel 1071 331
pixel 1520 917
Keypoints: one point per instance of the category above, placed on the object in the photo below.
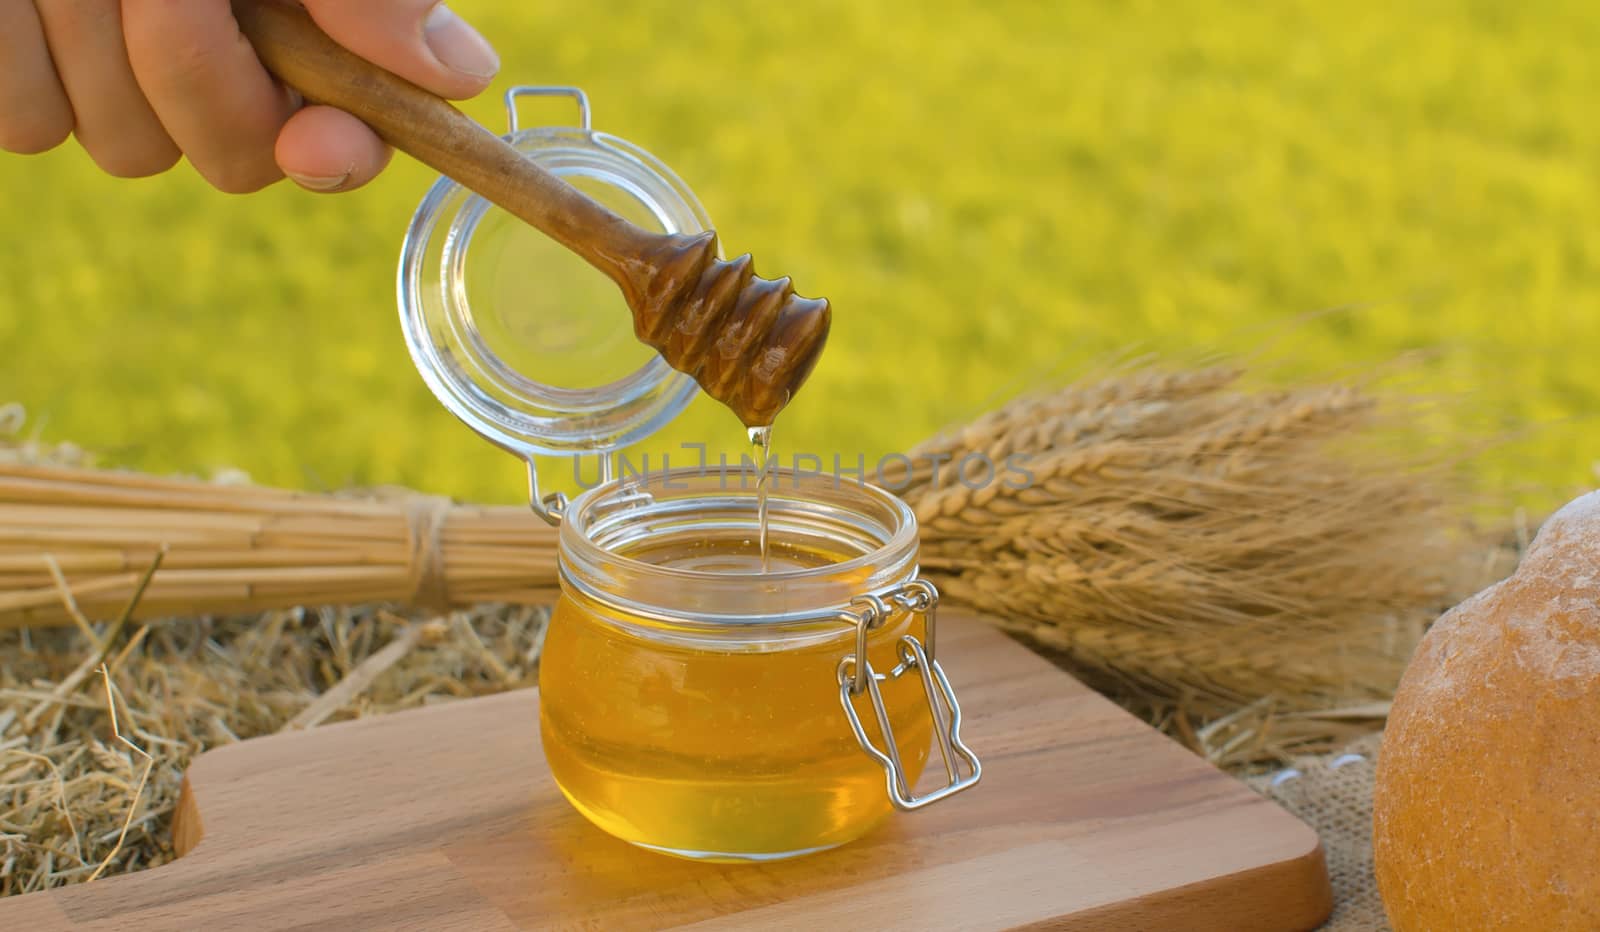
pixel 992 194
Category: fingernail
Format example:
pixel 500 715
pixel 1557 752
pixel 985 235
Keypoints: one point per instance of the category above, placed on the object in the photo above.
pixel 320 182
pixel 458 45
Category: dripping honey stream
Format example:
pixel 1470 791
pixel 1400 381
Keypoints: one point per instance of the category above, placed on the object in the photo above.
pixel 761 447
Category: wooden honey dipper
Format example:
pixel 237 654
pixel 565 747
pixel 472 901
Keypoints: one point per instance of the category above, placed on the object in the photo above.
pixel 750 342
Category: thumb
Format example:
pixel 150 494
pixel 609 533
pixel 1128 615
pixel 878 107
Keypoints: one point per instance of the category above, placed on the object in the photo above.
pixel 423 41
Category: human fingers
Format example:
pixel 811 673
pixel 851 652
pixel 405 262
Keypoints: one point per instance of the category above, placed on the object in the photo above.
pixel 423 41
pixel 327 150
pixel 35 114
pixel 204 81
pixel 113 121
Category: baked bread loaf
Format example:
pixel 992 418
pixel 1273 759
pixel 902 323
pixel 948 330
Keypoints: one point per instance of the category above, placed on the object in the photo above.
pixel 1486 813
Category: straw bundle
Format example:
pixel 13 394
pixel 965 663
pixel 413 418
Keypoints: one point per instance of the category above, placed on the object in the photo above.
pixel 233 549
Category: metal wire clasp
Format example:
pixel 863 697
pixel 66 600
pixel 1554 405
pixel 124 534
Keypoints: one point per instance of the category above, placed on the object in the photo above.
pixel 856 676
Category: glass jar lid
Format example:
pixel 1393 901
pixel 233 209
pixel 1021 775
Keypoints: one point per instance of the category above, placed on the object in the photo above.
pixel 519 338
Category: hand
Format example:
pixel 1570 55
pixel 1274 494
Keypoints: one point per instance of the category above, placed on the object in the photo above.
pixel 142 81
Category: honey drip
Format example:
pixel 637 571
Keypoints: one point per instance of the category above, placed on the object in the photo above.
pixel 761 450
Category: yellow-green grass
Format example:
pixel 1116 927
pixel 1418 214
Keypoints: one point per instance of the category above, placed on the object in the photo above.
pixel 990 193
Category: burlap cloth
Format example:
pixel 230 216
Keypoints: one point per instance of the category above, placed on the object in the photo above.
pixel 1333 794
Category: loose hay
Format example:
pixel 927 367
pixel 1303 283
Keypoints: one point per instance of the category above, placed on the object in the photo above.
pixel 67 786
pixel 137 795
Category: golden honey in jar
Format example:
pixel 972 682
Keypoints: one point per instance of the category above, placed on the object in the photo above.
pixel 691 703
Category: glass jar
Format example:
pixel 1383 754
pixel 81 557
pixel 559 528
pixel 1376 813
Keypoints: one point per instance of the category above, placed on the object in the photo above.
pixel 692 701
pixel 696 706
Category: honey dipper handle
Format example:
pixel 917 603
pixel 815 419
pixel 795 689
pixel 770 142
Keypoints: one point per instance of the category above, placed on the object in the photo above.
pixel 435 133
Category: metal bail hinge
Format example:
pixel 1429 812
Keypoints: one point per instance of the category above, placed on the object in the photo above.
pixel 856 676
pixel 585 121
pixel 553 507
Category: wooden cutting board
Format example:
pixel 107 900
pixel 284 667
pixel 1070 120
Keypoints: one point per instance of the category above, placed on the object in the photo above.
pixel 445 819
